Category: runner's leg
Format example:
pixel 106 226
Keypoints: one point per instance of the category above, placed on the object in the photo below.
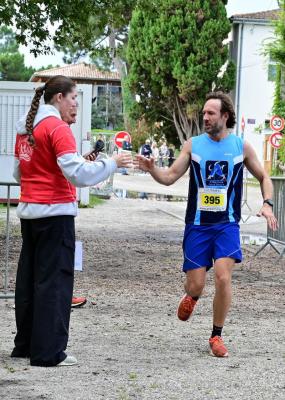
pixel 195 282
pixel 223 289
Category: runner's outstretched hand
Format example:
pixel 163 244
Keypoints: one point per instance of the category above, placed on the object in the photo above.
pixel 267 213
pixel 144 163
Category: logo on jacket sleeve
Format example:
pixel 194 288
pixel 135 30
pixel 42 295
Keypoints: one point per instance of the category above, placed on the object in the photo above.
pixel 217 173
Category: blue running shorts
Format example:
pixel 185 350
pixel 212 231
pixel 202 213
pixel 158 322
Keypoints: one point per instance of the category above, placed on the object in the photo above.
pixel 203 244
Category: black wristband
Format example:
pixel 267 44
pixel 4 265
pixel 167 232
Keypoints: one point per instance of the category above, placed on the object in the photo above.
pixel 269 202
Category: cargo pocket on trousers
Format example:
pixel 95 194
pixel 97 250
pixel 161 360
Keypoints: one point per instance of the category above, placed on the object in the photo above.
pixel 67 259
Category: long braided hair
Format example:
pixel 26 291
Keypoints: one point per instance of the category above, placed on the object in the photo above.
pixel 55 85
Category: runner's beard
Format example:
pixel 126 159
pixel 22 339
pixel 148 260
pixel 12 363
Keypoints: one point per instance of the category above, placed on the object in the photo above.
pixel 214 130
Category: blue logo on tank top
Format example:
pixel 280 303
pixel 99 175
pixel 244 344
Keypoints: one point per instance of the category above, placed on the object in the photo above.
pixel 217 173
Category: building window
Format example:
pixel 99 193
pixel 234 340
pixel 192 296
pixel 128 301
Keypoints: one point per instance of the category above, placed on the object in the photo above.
pixel 107 111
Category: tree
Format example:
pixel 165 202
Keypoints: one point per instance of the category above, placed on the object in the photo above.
pixel 276 51
pixel 8 42
pixel 76 27
pixel 103 35
pixel 12 66
pixel 96 28
pixel 82 23
pixel 176 52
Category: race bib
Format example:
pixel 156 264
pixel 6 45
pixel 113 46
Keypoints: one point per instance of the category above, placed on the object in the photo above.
pixel 210 199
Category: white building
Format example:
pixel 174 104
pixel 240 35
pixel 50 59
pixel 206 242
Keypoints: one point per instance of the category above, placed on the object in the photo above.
pixel 255 76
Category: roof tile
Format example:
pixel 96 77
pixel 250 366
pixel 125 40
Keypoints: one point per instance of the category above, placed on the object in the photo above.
pixel 78 71
pixel 262 15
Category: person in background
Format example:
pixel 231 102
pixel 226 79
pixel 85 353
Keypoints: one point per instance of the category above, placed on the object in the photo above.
pixel 126 145
pixel 146 149
pixel 171 155
pixel 155 152
pixel 69 116
pixel 48 167
pixel 163 154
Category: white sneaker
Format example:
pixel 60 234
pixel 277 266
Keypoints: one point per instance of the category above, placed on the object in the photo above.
pixel 69 360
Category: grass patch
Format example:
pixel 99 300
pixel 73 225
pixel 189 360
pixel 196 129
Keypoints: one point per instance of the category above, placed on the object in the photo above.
pixel 105 132
pixel 133 376
pixel 93 202
pixel 9 368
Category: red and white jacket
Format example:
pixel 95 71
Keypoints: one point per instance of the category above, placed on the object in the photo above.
pixel 49 172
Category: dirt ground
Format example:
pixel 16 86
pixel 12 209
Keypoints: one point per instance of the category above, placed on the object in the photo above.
pixel 127 338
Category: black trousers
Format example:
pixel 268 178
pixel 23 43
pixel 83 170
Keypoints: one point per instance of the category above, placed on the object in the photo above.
pixel 44 287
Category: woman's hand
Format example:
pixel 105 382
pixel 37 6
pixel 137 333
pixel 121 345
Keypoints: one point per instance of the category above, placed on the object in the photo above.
pixel 90 156
pixel 123 160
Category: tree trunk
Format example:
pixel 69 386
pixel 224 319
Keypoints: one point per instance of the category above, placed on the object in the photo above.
pixel 178 128
pixel 119 64
pixel 186 127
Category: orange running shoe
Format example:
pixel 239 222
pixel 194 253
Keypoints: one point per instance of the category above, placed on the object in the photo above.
pixel 78 301
pixel 217 347
pixel 185 307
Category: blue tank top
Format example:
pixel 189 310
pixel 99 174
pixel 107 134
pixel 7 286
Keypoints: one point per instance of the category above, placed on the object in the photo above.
pixel 216 180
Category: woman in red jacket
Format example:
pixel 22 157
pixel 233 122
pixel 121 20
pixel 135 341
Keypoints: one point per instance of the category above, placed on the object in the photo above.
pixel 49 167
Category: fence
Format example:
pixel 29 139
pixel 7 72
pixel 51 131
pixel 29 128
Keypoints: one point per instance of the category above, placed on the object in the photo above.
pixel 277 237
pixel 7 295
pixel 105 189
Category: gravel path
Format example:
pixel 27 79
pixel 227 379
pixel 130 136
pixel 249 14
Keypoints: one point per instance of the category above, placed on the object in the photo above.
pixel 127 338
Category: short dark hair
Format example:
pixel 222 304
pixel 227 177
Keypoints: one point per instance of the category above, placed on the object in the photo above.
pixel 226 106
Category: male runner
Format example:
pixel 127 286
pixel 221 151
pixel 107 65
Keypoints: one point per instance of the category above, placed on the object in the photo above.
pixel 216 159
pixel 70 118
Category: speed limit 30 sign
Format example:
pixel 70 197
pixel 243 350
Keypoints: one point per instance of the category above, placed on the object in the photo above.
pixel 277 123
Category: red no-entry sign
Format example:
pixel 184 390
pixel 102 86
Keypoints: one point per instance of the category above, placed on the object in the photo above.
pixel 275 139
pixel 120 137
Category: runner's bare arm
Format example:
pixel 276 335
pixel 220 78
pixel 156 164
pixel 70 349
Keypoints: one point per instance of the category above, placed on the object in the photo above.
pixel 170 175
pixel 255 168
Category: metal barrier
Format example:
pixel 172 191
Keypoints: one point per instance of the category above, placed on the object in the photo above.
pixel 279 211
pixel 103 189
pixel 7 295
pixel 244 196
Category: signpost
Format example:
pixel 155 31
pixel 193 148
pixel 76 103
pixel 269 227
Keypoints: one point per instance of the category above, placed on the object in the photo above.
pixel 275 139
pixel 242 126
pixel 119 138
pixel 277 123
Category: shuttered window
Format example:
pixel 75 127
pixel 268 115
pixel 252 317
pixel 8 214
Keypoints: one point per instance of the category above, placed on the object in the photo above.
pixel 13 105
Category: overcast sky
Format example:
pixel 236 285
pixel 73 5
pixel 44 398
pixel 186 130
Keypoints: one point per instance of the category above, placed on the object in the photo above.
pixel 233 7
